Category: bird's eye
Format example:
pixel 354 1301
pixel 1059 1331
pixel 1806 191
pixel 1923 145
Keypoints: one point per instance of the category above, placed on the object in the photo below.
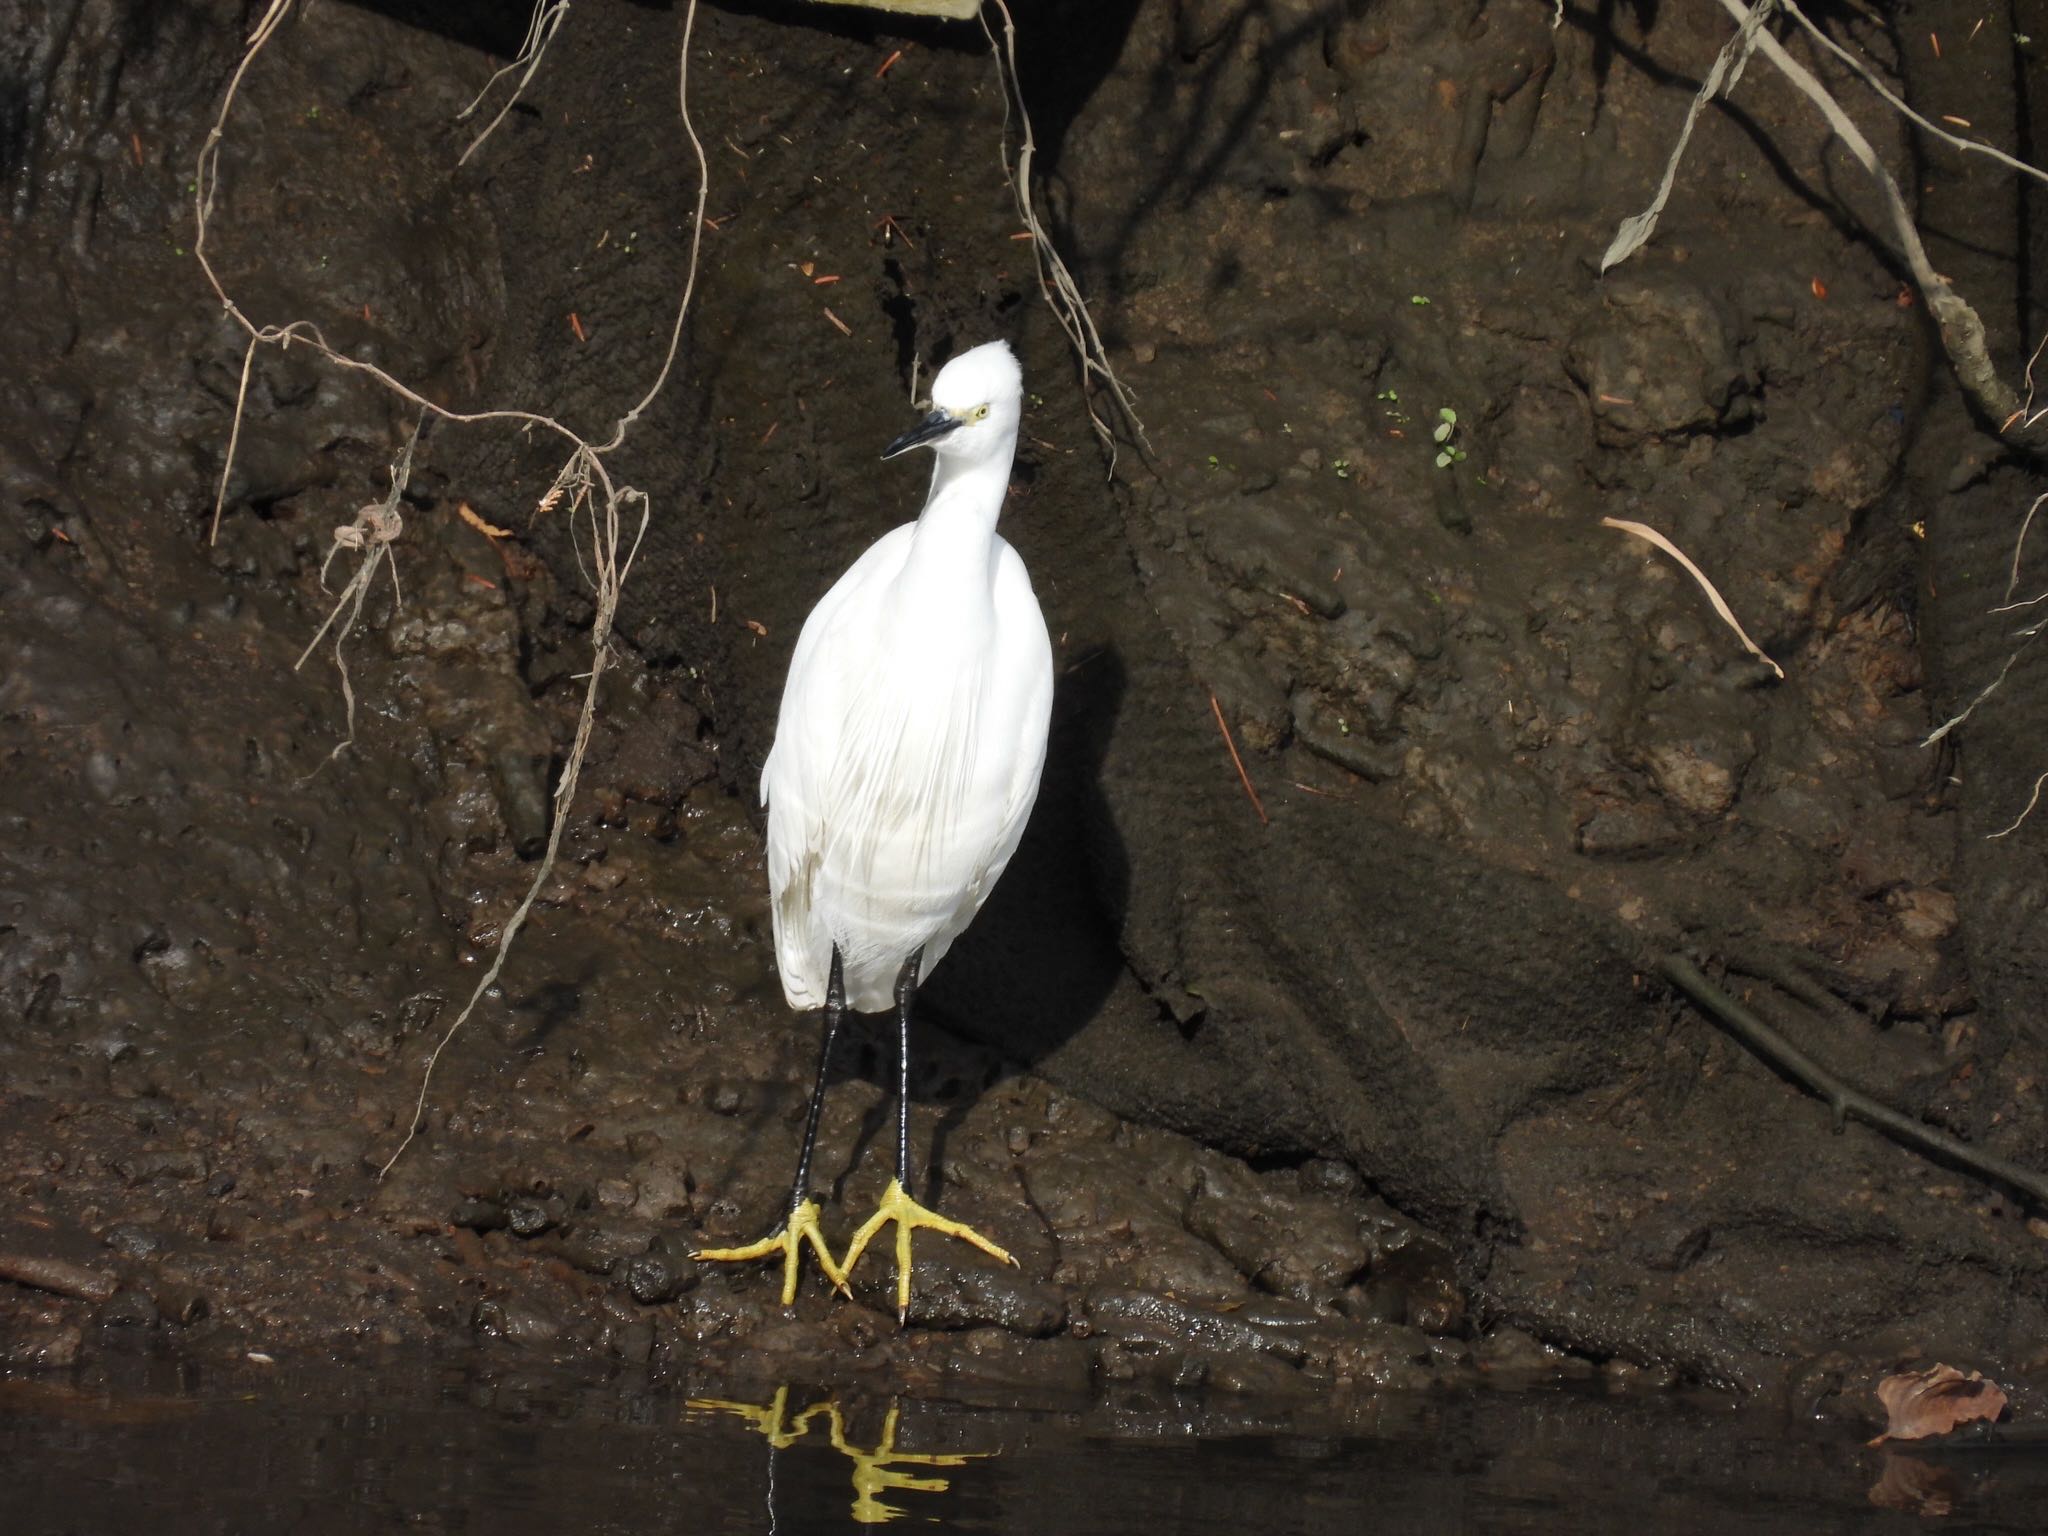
pixel 980 411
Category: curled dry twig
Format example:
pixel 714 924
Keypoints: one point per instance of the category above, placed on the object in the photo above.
pixel 1055 281
pixel 615 516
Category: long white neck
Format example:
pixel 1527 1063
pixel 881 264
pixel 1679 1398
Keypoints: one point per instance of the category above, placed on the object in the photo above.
pixel 952 554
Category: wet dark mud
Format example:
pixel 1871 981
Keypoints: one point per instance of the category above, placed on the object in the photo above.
pixel 1371 1084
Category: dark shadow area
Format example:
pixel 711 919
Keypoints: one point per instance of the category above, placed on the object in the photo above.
pixel 1065 50
pixel 1037 962
pixel 535 1017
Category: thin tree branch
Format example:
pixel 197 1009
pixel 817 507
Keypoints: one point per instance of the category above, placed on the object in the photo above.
pixel 1847 1103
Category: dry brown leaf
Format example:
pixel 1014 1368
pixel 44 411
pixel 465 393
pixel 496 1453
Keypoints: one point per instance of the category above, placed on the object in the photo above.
pixel 1935 1401
pixel 475 520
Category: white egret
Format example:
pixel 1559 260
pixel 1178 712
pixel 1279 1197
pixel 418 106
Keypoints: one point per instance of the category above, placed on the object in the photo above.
pixel 906 759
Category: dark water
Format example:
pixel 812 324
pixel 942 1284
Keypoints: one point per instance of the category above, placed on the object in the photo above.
pixel 367 1449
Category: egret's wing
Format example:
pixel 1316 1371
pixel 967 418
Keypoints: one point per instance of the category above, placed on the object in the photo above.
pixel 1024 662
pixel 904 768
pixel 796 781
pixel 1016 711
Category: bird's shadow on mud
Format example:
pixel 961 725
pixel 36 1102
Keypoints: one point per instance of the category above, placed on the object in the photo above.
pixel 531 1021
pixel 1040 958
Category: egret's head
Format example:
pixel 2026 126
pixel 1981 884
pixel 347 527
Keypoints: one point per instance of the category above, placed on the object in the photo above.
pixel 976 400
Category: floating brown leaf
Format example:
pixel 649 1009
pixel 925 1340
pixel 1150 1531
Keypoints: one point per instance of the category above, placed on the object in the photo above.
pixel 1935 1401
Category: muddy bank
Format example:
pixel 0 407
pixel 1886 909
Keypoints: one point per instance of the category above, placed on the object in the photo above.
pixel 1372 1085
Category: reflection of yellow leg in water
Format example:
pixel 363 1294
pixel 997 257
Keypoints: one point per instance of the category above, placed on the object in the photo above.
pixel 802 1225
pixel 898 1207
pixel 768 1421
pixel 873 1471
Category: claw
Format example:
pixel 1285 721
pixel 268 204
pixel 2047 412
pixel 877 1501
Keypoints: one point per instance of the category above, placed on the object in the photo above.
pixel 898 1207
pixel 787 1240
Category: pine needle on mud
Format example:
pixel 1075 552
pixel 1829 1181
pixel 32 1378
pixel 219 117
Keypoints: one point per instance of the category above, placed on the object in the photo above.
pixel 1646 532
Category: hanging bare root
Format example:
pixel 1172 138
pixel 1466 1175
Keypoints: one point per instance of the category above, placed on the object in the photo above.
pixel 1891 98
pixel 2032 800
pixel 1055 281
pixel 540 31
pixel 1961 328
pixel 1971 708
pixel 611 519
pixel 613 559
pixel 1636 230
pixel 1962 331
pixel 375 529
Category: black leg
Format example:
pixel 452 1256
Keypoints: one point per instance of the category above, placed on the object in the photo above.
pixel 906 994
pixel 898 1204
pixel 835 1010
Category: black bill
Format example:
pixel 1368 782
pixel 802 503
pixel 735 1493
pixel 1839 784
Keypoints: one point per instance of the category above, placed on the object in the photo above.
pixel 930 430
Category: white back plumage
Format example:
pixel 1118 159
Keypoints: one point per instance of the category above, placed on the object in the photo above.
pixel 913 725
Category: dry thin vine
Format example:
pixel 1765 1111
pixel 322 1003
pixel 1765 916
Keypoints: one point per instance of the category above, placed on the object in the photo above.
pixel 1055 281
pixel 616 515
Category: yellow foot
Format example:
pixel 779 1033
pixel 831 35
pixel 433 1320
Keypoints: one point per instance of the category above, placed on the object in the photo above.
pixel 898 1207
pixel 802 1224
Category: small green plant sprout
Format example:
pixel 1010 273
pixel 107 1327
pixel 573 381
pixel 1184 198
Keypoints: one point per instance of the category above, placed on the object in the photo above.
pixel 1391 396
pixel 1214 462
pixel 1342 468
pixel 1447 452
pixel 1418 299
